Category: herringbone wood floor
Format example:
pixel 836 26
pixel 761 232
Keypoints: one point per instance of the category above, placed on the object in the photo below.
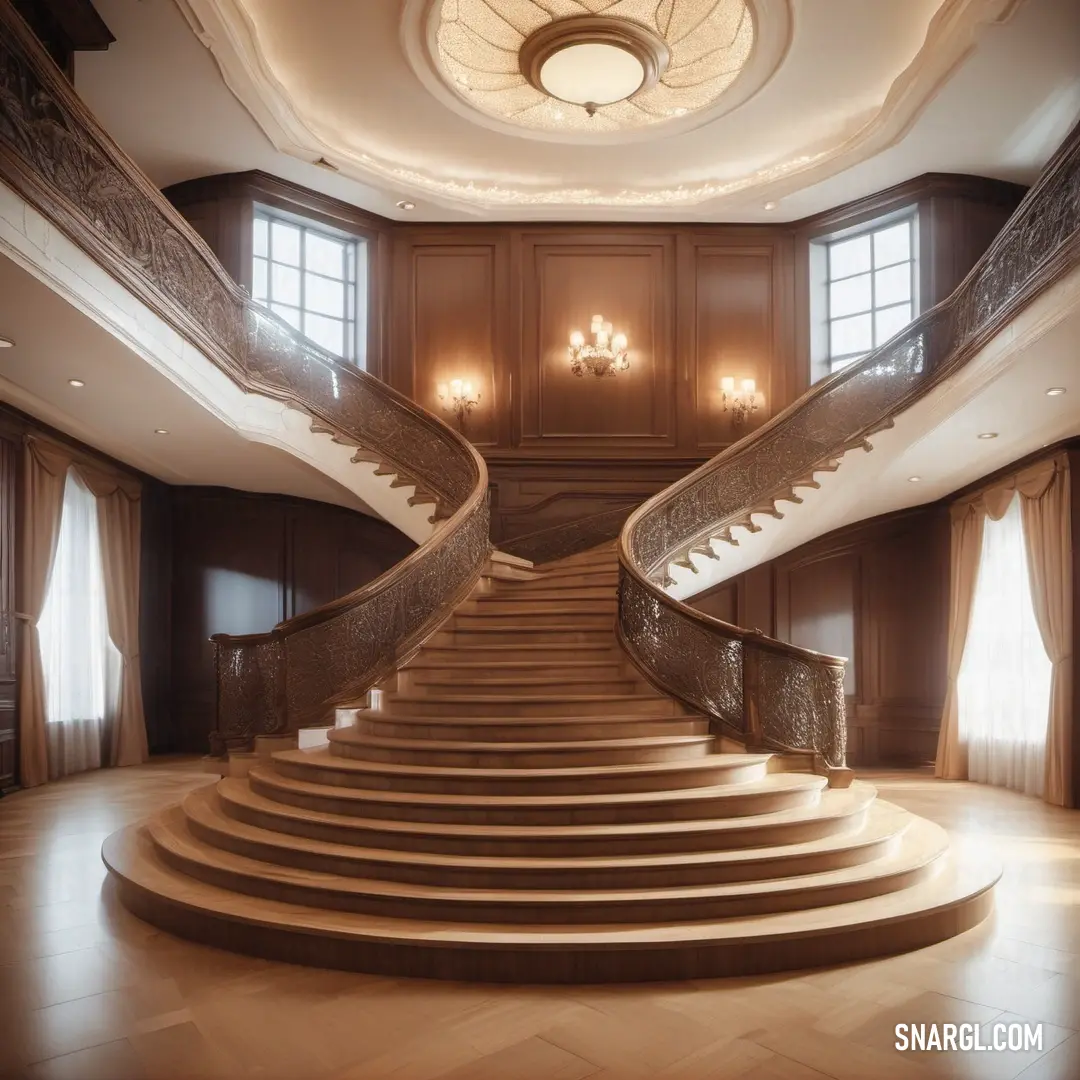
pixel 88 991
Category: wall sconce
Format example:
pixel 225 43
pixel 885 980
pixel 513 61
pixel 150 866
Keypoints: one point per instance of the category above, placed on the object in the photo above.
pixel 457 397
pixel 605 355
pixel 740 403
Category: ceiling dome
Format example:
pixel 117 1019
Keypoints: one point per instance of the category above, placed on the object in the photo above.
pixel 592 65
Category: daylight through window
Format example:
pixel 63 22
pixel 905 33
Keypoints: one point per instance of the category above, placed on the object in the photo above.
pixel 870 290
pixel 315 280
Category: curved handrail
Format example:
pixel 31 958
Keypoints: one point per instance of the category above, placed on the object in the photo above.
pixel 754 686
pixel 56 155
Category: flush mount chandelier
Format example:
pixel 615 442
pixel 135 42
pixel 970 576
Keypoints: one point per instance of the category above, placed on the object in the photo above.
pixel 592 65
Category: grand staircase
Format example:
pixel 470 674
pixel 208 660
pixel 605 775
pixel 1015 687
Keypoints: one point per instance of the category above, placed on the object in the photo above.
pixel 518 804
pixel 554 773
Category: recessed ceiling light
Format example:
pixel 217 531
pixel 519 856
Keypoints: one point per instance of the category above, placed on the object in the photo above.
pixel 989 435
pixel 161 431
pixel 6 343
pixel 914 479
pixel 406 205
pixel 76 382
pixel 1055 391
pixel 770 205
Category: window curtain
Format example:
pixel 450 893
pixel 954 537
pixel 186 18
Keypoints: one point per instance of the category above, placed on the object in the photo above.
pixel 965 545
pixel 77 657
pixel 118 512
pixel 1004 684
pixel 44 477
pixel 1044 502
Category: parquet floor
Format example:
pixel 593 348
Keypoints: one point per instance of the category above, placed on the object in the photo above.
pixel 87 991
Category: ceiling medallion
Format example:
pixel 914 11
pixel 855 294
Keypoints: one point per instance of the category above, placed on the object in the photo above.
pixel 592 66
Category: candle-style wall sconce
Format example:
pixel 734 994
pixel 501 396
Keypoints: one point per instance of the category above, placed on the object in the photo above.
pixel 459 398
pixel 741 403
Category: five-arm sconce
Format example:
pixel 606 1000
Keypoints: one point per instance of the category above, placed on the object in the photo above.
pixel 604 355
pixel 458 397
pixel 740 403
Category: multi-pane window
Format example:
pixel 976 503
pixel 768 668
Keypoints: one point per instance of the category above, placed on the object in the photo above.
pixel 315 280
pixel 870 289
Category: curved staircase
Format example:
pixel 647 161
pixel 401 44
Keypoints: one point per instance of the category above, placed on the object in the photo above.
pixel 520 805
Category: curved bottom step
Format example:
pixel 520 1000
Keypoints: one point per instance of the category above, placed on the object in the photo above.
pixel 954 900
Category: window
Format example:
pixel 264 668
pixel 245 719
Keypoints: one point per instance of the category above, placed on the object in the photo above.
pixel 315 279
pixel 869 290
pixel 1004 684
pixel 79 661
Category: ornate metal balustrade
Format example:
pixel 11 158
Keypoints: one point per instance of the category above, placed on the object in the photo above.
pixel 56 156
pixel 759 689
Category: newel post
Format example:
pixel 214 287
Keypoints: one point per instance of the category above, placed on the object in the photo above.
pixel 751 697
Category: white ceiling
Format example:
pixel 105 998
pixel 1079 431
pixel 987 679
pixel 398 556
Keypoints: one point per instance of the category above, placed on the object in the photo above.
pixel 869 94
pixel 125 399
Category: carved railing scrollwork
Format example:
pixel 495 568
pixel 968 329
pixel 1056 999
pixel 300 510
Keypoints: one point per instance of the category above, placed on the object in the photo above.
pixel 54 154
pixel 765 691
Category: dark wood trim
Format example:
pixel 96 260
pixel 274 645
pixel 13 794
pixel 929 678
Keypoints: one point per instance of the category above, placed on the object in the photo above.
pixel 65 27
pixel 927 185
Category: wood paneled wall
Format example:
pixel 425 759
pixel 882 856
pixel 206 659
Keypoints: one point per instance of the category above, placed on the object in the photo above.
pixel 877 593
pixel 495 304
pixel 239 563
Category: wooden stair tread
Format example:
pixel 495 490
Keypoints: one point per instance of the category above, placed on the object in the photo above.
pixel 769 784
pixel 130 854
pixel 487 699
pixel 321 759
pixel 354 738
pixel 885 821
pixel 921 844
pixel 837 804
pixel 420 664
pixel 554 678
pixel 529 721
pixel 540 646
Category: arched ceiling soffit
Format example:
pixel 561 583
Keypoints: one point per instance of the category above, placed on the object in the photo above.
pixel 365 86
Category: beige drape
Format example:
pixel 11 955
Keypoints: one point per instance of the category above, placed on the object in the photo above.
pixel 1048 542
pixel 965 546
pixel 118 525
pixel 1043 490
pixel 118 500
pixel 43 504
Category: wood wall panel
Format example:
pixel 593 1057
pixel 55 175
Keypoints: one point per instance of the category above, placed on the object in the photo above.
pixel 529 496
pixel 734 329
pixel 564 285
pixel 817 604
pixel 240 564
pixel 877 593
pixel 452 330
